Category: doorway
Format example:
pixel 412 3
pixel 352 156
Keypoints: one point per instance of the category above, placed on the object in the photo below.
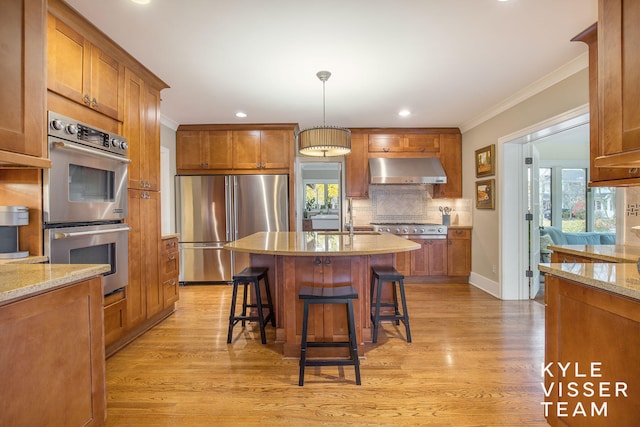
pixel 519 216
pixel 319 192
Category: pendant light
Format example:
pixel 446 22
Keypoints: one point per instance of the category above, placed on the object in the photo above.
pixel 324 141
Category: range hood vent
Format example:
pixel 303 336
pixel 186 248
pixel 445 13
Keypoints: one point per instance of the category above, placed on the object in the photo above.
pixel 407 171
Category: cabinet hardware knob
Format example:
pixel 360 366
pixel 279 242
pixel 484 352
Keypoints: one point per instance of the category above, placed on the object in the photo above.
pixel 327 261
pixel 94 103
pixel 172 257
pixel 633 171
pixel 86 99
pixel 385 149
pixel 317 261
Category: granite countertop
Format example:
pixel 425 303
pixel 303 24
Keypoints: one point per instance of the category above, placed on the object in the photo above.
pixel 608 253
pixel 170 236
pixel 618 278
pixel 32 259
pixel 322 243
pixel 19 281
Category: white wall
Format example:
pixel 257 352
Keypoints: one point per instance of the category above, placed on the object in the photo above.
pixel 563 96
pixel 168 141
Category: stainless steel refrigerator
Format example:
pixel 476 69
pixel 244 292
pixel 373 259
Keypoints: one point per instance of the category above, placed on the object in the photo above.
pixel 212 210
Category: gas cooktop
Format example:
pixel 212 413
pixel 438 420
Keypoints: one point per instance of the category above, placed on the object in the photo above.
pixel 403 223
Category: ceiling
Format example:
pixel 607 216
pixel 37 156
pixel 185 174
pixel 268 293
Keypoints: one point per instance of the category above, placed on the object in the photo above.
pixel 448 61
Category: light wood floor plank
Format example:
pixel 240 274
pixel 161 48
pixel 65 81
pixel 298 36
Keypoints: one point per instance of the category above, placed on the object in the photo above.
pixel 474 360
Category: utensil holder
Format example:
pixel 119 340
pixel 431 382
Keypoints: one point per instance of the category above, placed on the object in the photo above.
pixel 446 219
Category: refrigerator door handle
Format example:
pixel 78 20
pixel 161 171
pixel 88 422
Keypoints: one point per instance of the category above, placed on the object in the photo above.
pixel 235 209
pixel 228 195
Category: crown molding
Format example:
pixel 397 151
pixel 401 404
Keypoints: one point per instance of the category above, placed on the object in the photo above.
pixel 570 68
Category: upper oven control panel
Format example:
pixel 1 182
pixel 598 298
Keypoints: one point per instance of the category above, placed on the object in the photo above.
pixel 78 132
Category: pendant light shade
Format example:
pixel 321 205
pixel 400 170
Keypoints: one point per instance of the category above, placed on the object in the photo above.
pixel 324 141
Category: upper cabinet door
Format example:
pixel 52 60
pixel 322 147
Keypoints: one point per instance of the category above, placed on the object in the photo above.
pixel 619 79
pixel 385 143
pixel 275 148
pixel 422 142
pixel 246 149
pixel 22 65
pixel 82 72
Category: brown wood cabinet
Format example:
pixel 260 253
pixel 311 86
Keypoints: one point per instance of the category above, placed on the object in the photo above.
pixel 22 122
pixel 198 149
pixel 586 325
pixel 170 265
pixel 619 83
pixel 144 291
pixel 424 142
pixel 444 143
pixel 443 258
pixel 81 71
pixel 115 316
pixel 451 159
pixel 211 148
pixel 141 127
pixel 262 149
pixel 458 252
pixel 599 176
pixel 52 361
pixel 288 273
pixel 431 260
pixel 357 167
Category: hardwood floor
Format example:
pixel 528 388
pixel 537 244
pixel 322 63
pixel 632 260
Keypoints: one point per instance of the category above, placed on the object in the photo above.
pixel 474 360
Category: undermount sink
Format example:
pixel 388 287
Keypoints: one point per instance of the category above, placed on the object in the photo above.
pixel 325 222
pixel 346 233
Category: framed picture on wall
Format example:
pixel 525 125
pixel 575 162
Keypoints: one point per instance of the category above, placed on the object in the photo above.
pixel 486 161
pixel 485 194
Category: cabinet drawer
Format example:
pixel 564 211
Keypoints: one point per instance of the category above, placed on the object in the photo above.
pixel 169 264
pixel 458 234
pixel 170 289
pixel 115 317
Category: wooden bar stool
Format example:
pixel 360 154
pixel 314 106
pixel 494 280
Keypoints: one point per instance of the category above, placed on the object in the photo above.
pixel 251 276
pixel 337 295
pixel 382 274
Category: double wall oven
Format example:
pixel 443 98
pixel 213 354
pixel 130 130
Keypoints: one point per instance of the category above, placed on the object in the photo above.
pixel 85 198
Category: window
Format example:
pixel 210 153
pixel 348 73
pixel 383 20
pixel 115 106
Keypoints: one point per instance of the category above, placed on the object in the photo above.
pixel 567 202
pixel 321 196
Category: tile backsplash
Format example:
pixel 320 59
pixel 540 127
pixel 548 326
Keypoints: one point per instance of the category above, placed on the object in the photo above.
pixel 408 203
pixel 629 215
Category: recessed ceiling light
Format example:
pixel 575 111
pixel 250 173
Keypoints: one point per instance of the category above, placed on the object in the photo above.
pixel 141 1
pixel 404 113
pixel 241 115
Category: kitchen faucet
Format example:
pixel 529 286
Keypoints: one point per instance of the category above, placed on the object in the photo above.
pixel 350 213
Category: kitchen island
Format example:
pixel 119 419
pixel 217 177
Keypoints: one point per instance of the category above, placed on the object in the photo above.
pixel 52 360
pixel 320 259
pixel 592 330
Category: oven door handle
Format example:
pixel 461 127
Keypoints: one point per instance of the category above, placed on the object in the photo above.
pixel 57 236
pixel 89 151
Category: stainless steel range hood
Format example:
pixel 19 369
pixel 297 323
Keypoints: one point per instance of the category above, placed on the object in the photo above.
pixel 407 171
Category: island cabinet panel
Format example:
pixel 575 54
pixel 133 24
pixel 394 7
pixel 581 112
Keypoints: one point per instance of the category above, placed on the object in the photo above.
pixel 82 72
pixel 22 131
pixel 619 82
pixel 357 167
pixel 52 360
pixel 586 326
pixel 326 322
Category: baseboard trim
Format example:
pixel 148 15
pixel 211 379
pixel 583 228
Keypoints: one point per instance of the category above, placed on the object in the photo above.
pixel 484 284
